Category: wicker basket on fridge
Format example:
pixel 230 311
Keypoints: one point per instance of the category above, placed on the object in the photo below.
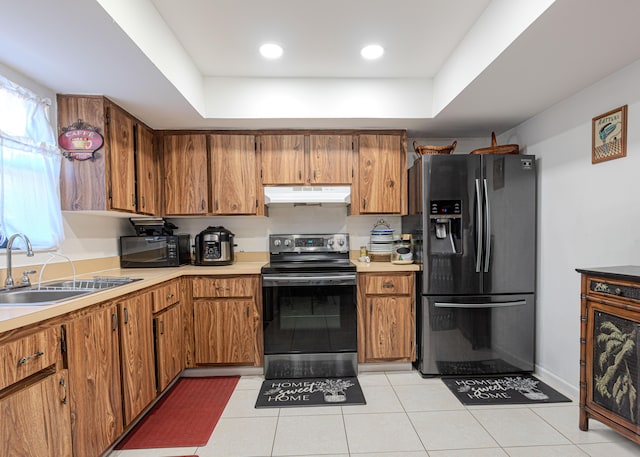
pixel 423 150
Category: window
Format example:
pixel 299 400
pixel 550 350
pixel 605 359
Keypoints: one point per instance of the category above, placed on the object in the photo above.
pixel 29 169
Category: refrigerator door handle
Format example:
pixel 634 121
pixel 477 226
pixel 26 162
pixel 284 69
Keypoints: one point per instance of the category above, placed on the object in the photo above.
pixel 487 224
pixel 479 227
pixel 503 304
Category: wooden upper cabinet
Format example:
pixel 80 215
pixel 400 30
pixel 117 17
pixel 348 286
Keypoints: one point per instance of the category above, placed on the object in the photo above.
pixel 233 174
pixel 186 188
pixel 330 159
pixel 282 159
pixel 120 129
pixel 83 183
pixel 381 181
pixel 108 181
pixel 148 172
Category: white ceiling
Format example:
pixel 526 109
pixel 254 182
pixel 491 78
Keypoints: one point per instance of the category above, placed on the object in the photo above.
pixel 451 67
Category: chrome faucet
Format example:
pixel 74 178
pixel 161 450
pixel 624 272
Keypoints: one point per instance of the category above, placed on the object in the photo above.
pixel 8 283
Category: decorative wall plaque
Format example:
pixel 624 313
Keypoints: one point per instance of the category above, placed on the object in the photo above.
pixel 80 141
pixel 609 135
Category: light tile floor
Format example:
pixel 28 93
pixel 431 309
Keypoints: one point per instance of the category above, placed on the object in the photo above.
pixel 405 416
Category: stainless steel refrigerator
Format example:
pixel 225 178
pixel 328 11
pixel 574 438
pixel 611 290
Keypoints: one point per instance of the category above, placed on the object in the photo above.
pixel 473 220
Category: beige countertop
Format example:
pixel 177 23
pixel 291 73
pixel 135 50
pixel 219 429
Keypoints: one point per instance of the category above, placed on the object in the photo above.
pixel 14 317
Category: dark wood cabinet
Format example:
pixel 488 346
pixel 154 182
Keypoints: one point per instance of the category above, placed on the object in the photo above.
pixel 610 349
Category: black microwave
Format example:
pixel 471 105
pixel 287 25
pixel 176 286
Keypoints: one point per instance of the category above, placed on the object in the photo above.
pixel 155 251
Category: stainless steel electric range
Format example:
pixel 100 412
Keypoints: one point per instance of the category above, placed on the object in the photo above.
pixel 309 300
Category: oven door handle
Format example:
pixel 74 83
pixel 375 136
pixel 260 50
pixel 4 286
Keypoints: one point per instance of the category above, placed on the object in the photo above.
pixel 275 280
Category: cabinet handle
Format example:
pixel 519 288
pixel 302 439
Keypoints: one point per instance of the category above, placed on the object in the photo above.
pixel 64 388
pixel 24 360
pixel 223 287
pixel 370 307
pixel 216 204
pixel 114 322
pixel 126 316
pixel 169 296
pixel 247 311
pixel 299 174
pixel 142 198
pixel 202 204
pixel 162 327
pixel 387 285
pixel 133 200
pixel 364 203
pixel 314 175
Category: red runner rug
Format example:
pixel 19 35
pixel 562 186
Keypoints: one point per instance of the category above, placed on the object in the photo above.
pixel 185 416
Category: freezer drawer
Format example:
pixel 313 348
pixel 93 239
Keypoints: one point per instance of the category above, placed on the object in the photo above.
pixel 467 335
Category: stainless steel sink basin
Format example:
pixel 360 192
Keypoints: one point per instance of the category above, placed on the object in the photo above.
pixel 98 283
pixel 34 297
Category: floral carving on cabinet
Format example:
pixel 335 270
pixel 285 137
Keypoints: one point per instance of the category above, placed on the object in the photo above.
pixel 616 370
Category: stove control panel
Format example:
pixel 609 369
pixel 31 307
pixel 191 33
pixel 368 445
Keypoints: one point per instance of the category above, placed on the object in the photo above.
pixel 337 242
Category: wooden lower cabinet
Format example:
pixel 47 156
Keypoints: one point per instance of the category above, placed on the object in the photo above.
pixel 93 358
pixel 610 350
pixel 137 354
pixel 36 420
pixel 227 320
pixel 386 317
pixel 168 329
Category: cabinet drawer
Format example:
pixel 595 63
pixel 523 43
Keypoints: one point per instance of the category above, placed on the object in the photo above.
pixel 385 284
pixel 165 296
pixel 223 287
pixel 26 356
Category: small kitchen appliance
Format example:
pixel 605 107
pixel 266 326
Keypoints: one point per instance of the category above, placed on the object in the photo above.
pixel 309 307
pixel 214 246
pixel 151 251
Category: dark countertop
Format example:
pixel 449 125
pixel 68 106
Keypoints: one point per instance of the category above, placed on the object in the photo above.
pixel 626 272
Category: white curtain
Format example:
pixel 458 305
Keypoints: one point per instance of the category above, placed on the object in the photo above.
pixel 29 169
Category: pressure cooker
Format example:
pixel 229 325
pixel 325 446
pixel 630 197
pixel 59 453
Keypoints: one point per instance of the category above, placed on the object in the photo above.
pixel 214 246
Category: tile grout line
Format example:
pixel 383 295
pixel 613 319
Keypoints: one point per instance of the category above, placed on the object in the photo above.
pixel 413 426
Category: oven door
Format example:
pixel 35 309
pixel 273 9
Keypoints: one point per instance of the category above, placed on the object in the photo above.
pixel 308 318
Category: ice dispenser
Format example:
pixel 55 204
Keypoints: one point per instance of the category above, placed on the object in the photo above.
pixel 445 231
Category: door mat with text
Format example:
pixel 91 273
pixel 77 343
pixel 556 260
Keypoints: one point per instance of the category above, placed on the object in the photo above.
pixel 283 393
pixel 502 390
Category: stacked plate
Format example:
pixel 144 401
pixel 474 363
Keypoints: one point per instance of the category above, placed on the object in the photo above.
pixel 381 243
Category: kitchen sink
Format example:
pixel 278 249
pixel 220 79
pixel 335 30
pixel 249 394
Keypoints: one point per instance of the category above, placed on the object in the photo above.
pixel 51 293
pixel 97 283
pixel 35 297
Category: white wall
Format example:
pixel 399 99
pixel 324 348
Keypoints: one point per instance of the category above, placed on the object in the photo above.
pixel 588 214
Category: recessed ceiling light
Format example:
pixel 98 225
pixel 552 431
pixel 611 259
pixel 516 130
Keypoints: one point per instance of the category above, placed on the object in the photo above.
pixel 373 51
pixel 271 50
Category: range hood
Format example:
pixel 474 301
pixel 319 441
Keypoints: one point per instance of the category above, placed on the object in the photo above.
pixel 307 195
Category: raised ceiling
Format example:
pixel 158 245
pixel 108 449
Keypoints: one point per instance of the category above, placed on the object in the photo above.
pixel 451 68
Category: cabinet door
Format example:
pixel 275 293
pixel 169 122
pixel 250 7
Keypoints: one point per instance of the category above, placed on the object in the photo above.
pixel 389 333
pixel 122 190
pixel 380 174
pixel 225 331
pixel 94 381
pixel 233 172
pixel 36 420
pixel 282 159
pixel 148 172
pixel 169 348
pixel 330 159
pixel 136 352
pixel 185 173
